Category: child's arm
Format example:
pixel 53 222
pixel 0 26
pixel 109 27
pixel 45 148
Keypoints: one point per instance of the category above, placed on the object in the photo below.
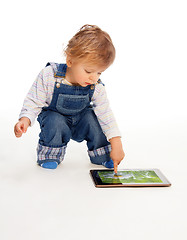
pixel 108 124
pixel 21 126
pixel 39 95
pixel 104 113
pixel 117 154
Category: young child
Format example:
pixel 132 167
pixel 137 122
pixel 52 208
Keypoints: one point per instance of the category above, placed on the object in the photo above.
pixel 71 103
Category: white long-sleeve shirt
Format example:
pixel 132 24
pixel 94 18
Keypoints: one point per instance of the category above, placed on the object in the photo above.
pixel 41 93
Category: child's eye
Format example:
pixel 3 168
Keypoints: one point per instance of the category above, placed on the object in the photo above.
pixel 87 71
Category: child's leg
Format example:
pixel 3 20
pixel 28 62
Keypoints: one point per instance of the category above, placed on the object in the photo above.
pixel 90 130
pixel 54 136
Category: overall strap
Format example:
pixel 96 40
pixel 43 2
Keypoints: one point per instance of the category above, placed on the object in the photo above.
pixel 59 69
pixel 99 81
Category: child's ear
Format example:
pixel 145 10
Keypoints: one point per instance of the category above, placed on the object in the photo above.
pixel 68 61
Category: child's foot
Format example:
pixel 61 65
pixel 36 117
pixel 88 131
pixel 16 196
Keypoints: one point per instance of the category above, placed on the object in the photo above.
pixel 49 165
pixel 108 164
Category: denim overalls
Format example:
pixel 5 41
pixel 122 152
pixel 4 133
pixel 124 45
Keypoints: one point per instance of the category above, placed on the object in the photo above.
pixel 70 116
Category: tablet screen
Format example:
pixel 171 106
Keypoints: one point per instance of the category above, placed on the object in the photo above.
pixel 131 176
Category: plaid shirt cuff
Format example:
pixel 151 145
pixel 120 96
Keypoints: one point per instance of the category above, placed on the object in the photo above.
pixel 100 151
pixel 46 153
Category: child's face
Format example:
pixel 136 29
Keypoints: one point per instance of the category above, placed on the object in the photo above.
pixel 83 74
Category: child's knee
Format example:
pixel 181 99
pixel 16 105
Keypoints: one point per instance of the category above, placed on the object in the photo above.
pixel 54 129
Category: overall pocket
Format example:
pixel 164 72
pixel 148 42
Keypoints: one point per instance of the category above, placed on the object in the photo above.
pixel 71 104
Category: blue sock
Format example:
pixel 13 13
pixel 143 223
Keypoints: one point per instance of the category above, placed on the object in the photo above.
pixel 49 165
pixel 108 164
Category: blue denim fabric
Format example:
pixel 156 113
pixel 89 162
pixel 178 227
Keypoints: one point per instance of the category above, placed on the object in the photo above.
pixel 70 116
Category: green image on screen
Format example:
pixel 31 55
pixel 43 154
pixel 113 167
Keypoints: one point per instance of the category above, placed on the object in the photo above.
pixel 138 176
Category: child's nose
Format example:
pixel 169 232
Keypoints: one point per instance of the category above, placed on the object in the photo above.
pixel 93 77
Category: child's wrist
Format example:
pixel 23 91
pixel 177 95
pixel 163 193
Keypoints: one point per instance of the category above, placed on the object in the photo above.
pixel 26 119
pixel 115 141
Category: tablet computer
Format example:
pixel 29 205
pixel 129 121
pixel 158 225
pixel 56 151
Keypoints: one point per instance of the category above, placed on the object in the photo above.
pixel 129 178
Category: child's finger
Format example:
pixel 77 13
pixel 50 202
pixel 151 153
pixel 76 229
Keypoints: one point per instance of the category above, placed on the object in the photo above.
pixel 115 168
pixel 18 133
pixel 17 130
pixel 24 129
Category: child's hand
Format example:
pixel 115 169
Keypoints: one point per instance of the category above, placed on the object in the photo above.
pixel 21 126
pixel 117 154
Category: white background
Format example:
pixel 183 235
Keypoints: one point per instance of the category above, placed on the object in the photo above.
pixel 146 86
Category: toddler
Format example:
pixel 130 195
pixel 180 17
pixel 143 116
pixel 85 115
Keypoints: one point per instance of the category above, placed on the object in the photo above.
pixel 70 102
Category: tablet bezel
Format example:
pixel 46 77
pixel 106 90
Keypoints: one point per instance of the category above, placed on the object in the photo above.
pixel 98 183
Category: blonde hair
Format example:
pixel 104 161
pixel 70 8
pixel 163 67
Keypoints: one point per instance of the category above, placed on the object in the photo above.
pixel 91 44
